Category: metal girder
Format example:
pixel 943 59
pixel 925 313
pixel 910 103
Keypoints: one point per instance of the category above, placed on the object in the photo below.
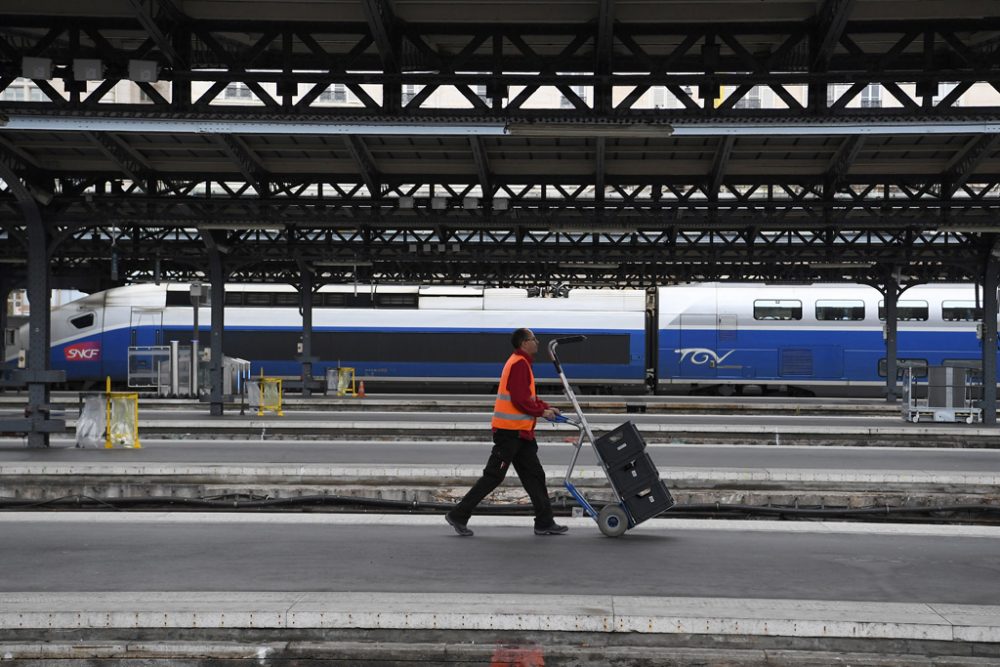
pixel 836 172
pixel 149 23
pixel 381 20
pixel 28 176
pixel 719 164
pixel 965 163
pixel 625 50
pixel 600 168
pixel 365 163
pixel 482 165
pixel 246 160
pixel 604 50
pixel 831 19
pixel 133 165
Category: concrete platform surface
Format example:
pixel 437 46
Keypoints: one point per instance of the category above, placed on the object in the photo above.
pixel 553 451
pixel 173 586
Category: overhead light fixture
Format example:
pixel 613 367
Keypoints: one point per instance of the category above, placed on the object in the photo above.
pixel 406 202
pixel 439 203
pixel 36 68
pixel 615 128
pixel 588 265
pixel 247 226
pixel 341 263
pixel 87 69
pixel 501 203
pixel 840 265
pixel 143 71
pixel 970 229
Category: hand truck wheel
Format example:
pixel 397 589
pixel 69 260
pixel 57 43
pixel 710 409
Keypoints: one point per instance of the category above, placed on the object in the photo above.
pixel 612 520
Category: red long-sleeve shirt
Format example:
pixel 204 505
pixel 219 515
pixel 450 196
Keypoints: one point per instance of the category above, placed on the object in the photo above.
pixel 519 385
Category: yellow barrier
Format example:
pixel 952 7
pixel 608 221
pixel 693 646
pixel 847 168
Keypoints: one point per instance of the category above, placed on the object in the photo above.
pixel 121 426
pixel 345 381
pixel 270 395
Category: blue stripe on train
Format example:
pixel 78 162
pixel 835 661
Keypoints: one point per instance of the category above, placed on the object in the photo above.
pixel 789 355
pixel 115 343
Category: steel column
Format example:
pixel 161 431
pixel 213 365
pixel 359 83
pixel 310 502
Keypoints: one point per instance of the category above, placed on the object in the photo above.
pixel 216 367
pixel 991 279
pixel 306 309
pixel 891 294
pixel 5 289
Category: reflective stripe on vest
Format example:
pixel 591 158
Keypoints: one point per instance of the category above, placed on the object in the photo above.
pixel 505 413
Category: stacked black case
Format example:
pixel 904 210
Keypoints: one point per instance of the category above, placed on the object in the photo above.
pixel 632 473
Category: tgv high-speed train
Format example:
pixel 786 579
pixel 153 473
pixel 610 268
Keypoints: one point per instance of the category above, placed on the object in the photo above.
pixel 715 337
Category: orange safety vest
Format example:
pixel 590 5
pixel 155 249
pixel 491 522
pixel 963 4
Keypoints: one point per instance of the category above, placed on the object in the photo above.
pixel 505 413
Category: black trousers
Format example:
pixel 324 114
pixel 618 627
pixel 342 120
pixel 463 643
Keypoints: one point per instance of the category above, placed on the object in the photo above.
pixel 509 449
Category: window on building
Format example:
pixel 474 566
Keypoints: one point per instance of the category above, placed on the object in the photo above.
pixel 840 311
pixel 480 91
pixel 907 311
pixel 409 92
pixel 961 311
pixel 659 97
pixel 237 91
pixel 944 89
pixel 336 93
pixel 777 309
pixel 13 93
pixel 581 92
pixel 871 96
pixel 751 100
pixel 22 90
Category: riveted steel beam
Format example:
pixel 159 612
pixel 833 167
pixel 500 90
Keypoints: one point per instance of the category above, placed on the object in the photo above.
pixel 964 165
pixel 246 160
pixel 365 164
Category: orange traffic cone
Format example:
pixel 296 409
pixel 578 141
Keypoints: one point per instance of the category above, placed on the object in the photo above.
pixel 361 389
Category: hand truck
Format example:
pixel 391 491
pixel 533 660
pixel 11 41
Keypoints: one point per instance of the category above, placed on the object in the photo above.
pixel 638 492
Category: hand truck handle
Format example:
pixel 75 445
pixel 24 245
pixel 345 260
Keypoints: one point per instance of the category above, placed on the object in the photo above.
pixel 553 344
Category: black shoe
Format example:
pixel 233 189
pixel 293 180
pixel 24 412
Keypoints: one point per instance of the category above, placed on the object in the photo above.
pixel 554 529
pixel 460 528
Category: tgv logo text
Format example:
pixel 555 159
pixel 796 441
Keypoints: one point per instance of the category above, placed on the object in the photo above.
pixel 87 351
pixel 701 355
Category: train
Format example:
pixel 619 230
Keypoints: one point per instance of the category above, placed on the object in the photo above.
pixel 724 338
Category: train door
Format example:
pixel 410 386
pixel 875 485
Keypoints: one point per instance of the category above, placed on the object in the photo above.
pixel 145 331
pixel 146 327
pixel 697 357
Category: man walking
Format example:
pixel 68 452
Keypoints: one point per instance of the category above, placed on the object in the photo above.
pixel 514 415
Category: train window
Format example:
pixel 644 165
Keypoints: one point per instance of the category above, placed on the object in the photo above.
pixel 256 299
pixel 396 300
pixel 777 309
pixel 234 298
pixel 178 298
pixel 840 311
pixel 286 299
pixel 8 336
pixel 333 299
pixel 341 300
pixel 83 321
pixel 961 311
pixel 919 367
pixel 907 311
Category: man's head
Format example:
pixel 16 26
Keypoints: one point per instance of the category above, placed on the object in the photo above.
pixel 525 341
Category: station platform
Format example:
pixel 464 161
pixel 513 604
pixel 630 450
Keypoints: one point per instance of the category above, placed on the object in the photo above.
pixel 733 593
pixel 194 421
pixel 441 471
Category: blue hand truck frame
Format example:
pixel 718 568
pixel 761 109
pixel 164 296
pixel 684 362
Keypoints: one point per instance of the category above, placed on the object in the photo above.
pixel 614 518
